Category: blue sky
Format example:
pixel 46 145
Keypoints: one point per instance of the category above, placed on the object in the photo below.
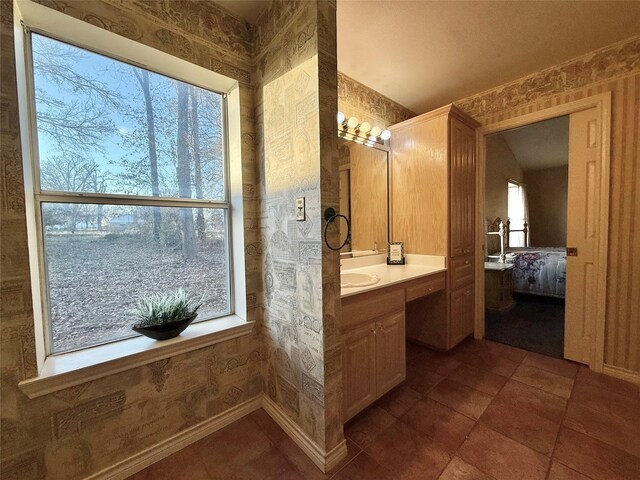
pixel 117 77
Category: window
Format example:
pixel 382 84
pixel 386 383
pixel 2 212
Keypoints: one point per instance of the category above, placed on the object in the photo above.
pixel 518 215
pixel 130 192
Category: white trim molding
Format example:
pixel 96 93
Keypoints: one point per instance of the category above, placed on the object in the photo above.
pixel 324 460
pixel 622 373
pixel 180 440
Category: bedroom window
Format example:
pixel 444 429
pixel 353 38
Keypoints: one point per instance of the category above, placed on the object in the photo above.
pixel 518 214
pixel 130 192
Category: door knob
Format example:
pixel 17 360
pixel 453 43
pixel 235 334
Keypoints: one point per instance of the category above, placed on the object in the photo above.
pixel 572 251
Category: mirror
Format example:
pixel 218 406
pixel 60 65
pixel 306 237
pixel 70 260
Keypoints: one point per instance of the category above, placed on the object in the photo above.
pixel 364 197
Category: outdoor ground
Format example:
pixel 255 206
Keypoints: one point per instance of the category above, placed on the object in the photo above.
pixel 94 280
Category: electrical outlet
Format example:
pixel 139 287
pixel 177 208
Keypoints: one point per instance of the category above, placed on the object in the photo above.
pixel 300 213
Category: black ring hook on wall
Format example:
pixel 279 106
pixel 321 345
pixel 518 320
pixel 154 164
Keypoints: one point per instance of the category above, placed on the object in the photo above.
pixel 330 215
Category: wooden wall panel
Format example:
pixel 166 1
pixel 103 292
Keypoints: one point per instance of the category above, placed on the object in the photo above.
pixel 421 207
pixel 580 78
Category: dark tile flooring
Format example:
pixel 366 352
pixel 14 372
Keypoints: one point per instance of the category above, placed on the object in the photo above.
pixel 482 411
pixel 535 323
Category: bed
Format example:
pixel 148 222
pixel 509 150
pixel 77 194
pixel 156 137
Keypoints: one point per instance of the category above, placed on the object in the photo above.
pixel 537 270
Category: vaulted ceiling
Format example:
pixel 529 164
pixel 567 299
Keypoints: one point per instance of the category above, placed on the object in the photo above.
pixel 540 145
pixel 425 54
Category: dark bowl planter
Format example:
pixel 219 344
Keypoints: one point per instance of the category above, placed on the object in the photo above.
pixel 165 331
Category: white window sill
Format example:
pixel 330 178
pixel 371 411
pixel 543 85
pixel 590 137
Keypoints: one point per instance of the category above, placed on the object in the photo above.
pixel 74 368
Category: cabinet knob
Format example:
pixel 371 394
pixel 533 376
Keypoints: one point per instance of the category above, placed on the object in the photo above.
pixel 374 331
pixel 466 262
pixel 468 292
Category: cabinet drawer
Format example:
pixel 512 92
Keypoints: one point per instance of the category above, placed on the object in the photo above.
pixel 427 286
pixel 368 306
pixel 462 271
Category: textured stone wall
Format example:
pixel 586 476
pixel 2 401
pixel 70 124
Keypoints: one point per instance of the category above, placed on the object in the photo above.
pixel 81 430
pixel 615 69
pixel 367 105
pixel 296 101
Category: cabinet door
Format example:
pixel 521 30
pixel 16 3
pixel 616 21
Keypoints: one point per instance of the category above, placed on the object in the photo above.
pixel 390 352
pixel 462 173
pixel 461 314
pixel 358 369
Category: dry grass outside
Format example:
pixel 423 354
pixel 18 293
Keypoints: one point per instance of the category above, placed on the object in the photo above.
pixel 95 279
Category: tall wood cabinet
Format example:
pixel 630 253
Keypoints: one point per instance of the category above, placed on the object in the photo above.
pixel 433 182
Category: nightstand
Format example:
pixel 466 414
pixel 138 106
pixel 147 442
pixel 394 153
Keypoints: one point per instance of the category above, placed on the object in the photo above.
pixel 497 286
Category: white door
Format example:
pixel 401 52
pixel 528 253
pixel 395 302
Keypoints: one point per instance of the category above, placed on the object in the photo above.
pixel 582 234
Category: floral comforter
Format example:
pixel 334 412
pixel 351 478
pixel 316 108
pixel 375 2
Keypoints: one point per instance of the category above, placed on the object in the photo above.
pixel 540 271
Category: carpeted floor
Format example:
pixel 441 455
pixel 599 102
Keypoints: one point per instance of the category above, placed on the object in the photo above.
pixel 534 323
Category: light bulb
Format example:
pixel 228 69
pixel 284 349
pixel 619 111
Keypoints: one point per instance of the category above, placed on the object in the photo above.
pixel 340 118
pixel 385 135
pixel 365 127
pixel 352 123
pixel 375 131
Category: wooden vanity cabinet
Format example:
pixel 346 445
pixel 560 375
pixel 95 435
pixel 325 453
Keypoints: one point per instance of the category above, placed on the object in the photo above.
pixel 433 165
pixel 373 347
pixel 358 369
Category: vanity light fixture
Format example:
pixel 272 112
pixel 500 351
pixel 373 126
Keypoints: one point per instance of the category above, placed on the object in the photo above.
pixel 352 129
pixel 364 127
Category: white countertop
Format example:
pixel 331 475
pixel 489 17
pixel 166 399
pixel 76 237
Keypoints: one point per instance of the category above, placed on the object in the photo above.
pixel 417 266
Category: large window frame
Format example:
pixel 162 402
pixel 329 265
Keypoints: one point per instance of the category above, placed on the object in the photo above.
pixel 30 17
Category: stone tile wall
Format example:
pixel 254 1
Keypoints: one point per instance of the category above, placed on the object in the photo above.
pixel 367 105
pixel 296 101
pixel 81 430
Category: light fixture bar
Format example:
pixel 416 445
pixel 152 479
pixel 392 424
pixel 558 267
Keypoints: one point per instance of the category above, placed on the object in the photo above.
pixel 351 129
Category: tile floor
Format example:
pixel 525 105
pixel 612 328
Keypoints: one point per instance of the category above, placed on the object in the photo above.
pixel 482 411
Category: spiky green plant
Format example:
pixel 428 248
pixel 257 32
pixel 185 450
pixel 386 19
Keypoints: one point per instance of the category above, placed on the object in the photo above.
pixel 161 308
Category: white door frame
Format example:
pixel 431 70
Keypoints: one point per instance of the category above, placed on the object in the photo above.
pixel 603 103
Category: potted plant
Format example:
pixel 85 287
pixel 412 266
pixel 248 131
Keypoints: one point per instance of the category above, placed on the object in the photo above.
pixel 163 316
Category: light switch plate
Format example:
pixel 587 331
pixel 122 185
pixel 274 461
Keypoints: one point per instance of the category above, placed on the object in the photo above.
pixel 300 213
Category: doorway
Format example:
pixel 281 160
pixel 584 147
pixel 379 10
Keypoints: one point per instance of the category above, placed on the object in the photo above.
pixel 526 191
pixel 587 223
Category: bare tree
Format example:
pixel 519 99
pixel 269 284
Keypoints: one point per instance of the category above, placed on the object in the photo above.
pixel 183 171
pixel 143 78
pixel 197 162
pixel 81 121
pixel 73 173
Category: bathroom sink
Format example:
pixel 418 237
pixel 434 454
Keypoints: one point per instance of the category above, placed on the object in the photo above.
pixel 348 280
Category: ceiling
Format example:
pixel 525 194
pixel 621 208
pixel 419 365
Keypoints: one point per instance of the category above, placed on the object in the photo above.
pixel 247 9
pixel 540 145
pixel 425 54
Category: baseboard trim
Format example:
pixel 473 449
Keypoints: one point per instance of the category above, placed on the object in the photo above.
pixel 335 456
pixel 157 452
pixel 324 460
pixel 622 373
